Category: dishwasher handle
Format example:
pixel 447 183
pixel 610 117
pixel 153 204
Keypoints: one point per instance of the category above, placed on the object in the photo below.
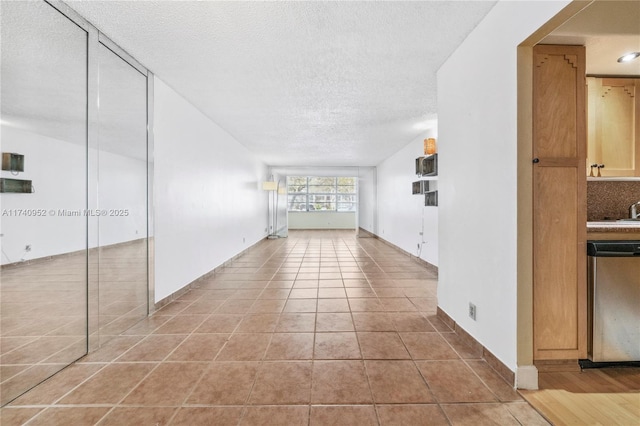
pixel 609 248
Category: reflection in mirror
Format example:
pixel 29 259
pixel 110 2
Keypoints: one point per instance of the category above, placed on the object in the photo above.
pixel 43 287
pixel 122 194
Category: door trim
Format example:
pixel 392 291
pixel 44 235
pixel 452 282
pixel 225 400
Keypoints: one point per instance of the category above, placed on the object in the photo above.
pixel 524 326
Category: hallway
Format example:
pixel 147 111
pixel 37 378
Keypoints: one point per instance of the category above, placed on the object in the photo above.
pixel 320 328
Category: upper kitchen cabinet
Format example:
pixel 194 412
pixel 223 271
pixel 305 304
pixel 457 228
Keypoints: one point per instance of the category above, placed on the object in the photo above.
pixel 613 126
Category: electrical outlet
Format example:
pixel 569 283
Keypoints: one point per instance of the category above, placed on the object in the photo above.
pixel 472 311
pixel 418 246
pixel 242 240
pixel 27 248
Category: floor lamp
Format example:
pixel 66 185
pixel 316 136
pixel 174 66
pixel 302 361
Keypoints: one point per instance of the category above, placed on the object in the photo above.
pixel 272 187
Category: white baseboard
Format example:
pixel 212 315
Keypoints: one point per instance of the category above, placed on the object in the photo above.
pixel 527 377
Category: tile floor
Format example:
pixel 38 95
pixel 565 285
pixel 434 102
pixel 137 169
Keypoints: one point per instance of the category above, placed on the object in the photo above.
pixel 321 328
pixel 43 326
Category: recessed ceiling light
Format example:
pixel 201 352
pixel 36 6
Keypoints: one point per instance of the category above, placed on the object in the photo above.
pixel 628 57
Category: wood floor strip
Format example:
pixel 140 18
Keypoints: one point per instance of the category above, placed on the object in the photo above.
pixel 566 408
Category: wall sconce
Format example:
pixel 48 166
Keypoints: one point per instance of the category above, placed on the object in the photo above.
pixel 429 146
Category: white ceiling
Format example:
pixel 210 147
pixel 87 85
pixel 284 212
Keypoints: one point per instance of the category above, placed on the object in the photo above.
pixel 608 29
pixel 298 83
pixel 35 39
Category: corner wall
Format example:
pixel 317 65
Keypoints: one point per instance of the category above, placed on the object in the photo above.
pixel 477 126
pixel 402 216
pixel 209 203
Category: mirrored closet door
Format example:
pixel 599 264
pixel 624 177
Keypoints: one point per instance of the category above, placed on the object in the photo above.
pixel 120 164
pixel 43 287
pixel 74 192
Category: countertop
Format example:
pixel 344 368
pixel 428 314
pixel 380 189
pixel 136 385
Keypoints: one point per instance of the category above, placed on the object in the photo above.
pixel 614 226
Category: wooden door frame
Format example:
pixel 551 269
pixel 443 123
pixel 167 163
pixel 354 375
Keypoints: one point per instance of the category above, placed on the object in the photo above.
pixel 526 372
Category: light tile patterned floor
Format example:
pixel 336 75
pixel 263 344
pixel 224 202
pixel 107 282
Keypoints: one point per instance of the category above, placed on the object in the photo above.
pixel 321 328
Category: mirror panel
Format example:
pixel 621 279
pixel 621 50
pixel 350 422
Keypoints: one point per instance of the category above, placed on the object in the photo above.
pixel 43 283
pixel 122 194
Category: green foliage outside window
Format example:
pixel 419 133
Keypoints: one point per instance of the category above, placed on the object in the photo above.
pixel 309 194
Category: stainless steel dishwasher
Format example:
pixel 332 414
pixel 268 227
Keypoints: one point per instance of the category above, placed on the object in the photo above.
pixel 614 300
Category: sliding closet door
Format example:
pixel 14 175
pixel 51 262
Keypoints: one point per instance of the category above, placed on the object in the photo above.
pixel 43 287
pixel 121 165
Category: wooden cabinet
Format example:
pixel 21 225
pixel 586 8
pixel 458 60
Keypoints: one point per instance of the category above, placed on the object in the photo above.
pixel 614 125
pixel 559 200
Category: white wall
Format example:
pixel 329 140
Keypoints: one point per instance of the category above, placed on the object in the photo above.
pixel 122 192
pixel 209 202
pixel 58 171
pixel 402 216
pixel 59 174
pixel 477 174
pixel 322 220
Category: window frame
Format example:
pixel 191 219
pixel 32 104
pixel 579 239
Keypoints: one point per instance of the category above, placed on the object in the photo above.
pixel 332 197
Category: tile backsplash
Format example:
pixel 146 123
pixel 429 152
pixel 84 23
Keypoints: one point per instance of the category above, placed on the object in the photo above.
pixel 608 199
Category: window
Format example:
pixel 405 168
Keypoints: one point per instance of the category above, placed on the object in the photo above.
pixel 309 194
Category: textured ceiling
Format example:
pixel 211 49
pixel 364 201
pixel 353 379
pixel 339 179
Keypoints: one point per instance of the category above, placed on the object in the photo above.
pixel 298 83
pixel 35 39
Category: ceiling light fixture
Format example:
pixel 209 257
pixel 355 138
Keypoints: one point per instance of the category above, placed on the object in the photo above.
pixel 628 57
